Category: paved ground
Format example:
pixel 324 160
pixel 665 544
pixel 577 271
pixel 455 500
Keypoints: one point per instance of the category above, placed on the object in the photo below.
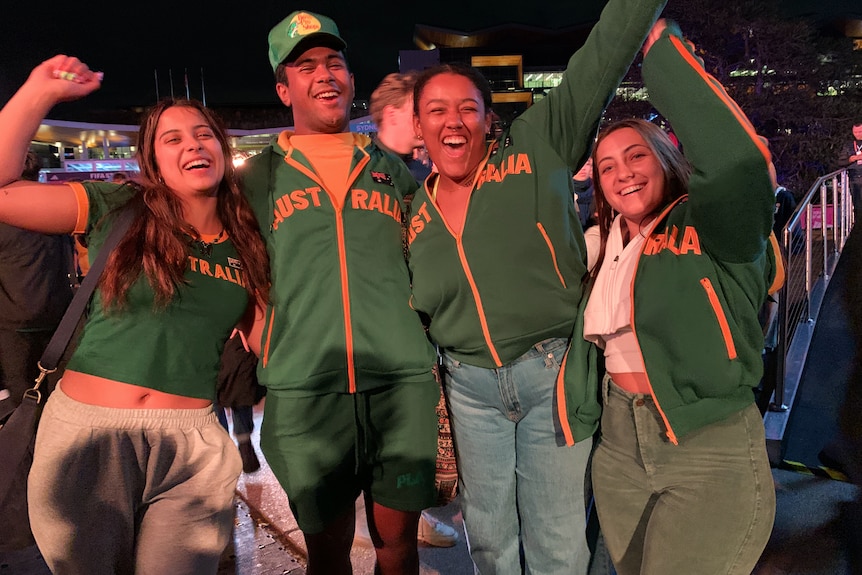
pixel 257 548
pixel 264 517
pixel 807 538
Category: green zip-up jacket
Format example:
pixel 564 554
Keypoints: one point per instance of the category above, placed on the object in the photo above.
pixel 515 274
pixel 705 268
pixel 340 319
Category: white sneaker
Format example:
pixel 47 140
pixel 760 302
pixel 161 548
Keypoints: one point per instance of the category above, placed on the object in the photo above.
pixel 436 533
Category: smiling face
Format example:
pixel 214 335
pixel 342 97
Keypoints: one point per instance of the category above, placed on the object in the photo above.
pixel 857 131
pixel 188 155
pixel 452 120
pixel 631 177
pixel 319 88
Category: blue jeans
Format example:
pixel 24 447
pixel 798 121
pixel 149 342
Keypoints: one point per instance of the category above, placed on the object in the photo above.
pixel 706 505
pixel 520 490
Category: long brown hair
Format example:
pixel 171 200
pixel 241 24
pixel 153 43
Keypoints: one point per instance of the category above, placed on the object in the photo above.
pixel 157 242
pixel 674 165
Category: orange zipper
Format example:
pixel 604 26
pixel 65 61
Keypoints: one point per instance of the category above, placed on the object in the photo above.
pixel 553 253
pixel 483 321
pixel 338 208
pixel 345 302
pixel 719 314
pixel 265 358
pixel 671 435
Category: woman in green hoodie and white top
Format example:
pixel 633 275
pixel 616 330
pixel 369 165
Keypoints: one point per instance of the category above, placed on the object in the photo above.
pixel 681 475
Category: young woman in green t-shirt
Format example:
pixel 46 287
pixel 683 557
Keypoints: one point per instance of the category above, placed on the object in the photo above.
pixel 132 471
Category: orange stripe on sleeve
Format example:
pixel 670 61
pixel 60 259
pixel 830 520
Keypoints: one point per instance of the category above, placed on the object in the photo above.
pixel 83 202
pixel 723 95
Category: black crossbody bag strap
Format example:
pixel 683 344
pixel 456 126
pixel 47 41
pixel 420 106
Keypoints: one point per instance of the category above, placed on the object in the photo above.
pixel 63 334
pixel 19 430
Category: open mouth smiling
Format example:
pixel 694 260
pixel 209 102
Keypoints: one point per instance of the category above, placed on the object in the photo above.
pixel 631 189
pixel 199 164
pixel 329 95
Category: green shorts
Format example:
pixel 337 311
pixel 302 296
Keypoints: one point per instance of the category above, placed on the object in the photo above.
pixel 327 449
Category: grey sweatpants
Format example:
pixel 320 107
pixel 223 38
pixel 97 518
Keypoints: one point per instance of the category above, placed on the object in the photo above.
pixel 143 491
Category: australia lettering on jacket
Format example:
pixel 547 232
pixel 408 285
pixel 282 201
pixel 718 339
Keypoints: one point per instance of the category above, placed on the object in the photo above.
pixel 514 164
pixel 299 200
pixel 670 240
pixel 418 221
pixel 228 273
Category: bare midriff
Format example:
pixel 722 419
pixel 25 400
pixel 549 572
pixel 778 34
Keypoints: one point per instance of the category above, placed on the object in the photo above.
pixel 633 382
pixel 104 392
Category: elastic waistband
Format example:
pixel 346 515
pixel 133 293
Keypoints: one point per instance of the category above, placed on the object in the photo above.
pixel 65 408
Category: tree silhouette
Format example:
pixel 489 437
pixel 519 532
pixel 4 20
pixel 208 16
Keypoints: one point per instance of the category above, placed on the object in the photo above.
pixel 799 83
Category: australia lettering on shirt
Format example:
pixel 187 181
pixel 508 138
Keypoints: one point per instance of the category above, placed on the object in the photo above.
pixel 300 200
pixel 232 272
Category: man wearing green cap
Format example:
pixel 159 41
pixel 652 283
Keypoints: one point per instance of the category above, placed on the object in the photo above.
pixel 351 395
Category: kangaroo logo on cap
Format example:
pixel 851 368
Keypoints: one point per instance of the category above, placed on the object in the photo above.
pixel 303 24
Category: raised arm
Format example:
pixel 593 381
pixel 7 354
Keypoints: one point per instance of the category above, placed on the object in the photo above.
pixel 731 195
pixel 48 208
pixel 571 112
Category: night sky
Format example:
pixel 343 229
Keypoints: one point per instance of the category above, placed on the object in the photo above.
pixel 226 48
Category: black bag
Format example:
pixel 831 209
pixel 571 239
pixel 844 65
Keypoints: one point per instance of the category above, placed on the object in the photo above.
pixel 17 438
pixel 237 377
pixel 18 424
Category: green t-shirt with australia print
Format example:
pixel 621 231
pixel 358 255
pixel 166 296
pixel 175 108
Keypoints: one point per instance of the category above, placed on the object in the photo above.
pixel 176 349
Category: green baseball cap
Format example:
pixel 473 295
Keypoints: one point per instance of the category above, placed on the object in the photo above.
pixel 300 31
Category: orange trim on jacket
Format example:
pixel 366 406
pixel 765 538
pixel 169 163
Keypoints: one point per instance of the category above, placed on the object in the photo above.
pixel 562 408
pixel 779 279
pixel 338 207
pixel 671 435
pixel 722 94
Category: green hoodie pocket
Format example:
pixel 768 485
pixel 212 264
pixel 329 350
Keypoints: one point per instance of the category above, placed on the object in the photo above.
pixel 551 249
pixel 715 303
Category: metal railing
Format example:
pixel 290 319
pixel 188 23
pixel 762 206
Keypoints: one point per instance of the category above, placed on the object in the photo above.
pixel 813 240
